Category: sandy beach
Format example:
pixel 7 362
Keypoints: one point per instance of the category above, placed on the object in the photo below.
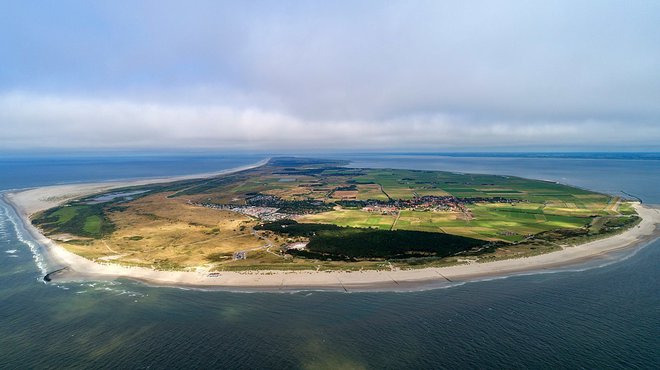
pixel 28 202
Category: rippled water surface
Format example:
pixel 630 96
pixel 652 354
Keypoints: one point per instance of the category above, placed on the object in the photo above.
pixel 607 317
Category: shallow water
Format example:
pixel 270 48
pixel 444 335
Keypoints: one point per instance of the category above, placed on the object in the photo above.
pixel 591 317
pixel 127 195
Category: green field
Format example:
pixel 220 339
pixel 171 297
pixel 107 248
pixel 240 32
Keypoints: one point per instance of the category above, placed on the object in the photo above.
pixel 353 218
pixel 81 220
pixel 541 205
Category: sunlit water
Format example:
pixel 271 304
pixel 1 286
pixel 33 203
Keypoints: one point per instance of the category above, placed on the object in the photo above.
pixel 589 317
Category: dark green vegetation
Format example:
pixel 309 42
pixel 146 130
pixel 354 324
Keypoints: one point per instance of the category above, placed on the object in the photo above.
pixel 350 243
pixel 287 206
pixel 343 214
pixel 84 220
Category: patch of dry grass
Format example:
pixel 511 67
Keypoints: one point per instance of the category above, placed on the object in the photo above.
pixel 155 228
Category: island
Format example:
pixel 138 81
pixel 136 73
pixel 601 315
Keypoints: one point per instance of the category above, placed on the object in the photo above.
pixel 289 223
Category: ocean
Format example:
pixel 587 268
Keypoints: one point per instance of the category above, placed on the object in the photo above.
pixel 604 314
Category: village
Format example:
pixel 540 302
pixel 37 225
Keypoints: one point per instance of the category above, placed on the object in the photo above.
pixel 261 213
pixel 271 208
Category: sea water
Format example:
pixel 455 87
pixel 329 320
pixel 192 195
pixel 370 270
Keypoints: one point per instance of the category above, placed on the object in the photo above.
pixel 600 315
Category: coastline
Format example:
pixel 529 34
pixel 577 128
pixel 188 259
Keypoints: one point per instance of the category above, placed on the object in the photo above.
pixel 32 200
pixel 76 268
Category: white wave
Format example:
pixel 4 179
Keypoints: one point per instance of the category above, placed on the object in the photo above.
pixel 120 291
pixel 11 251
pixel 34 247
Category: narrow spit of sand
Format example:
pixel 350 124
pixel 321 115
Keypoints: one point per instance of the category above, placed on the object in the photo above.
pixel 77 268
pixel 31 201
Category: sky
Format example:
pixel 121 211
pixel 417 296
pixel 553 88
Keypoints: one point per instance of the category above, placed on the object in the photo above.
pixel 330 75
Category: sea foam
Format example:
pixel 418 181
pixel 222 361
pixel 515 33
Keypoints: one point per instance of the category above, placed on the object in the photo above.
pixel 7 214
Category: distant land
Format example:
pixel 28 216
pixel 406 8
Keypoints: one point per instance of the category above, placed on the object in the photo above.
pixel 559 155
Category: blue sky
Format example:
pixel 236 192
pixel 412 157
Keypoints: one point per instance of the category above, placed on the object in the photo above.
pixel 372 75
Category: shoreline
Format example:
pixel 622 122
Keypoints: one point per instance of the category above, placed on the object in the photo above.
pixel 29 201
pixel 73 267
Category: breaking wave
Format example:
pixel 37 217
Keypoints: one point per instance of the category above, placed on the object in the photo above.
pixel 8 215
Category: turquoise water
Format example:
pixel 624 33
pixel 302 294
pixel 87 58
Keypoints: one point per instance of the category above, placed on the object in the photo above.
pixel 606 317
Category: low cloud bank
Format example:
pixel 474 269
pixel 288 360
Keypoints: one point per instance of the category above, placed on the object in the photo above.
pixel 28 120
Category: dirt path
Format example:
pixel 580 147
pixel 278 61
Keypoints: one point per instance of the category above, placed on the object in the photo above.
pixel 110 249
pixel 398 215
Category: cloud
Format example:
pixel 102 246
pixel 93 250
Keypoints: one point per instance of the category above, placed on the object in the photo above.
pixel 373 74
pixel 74 122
